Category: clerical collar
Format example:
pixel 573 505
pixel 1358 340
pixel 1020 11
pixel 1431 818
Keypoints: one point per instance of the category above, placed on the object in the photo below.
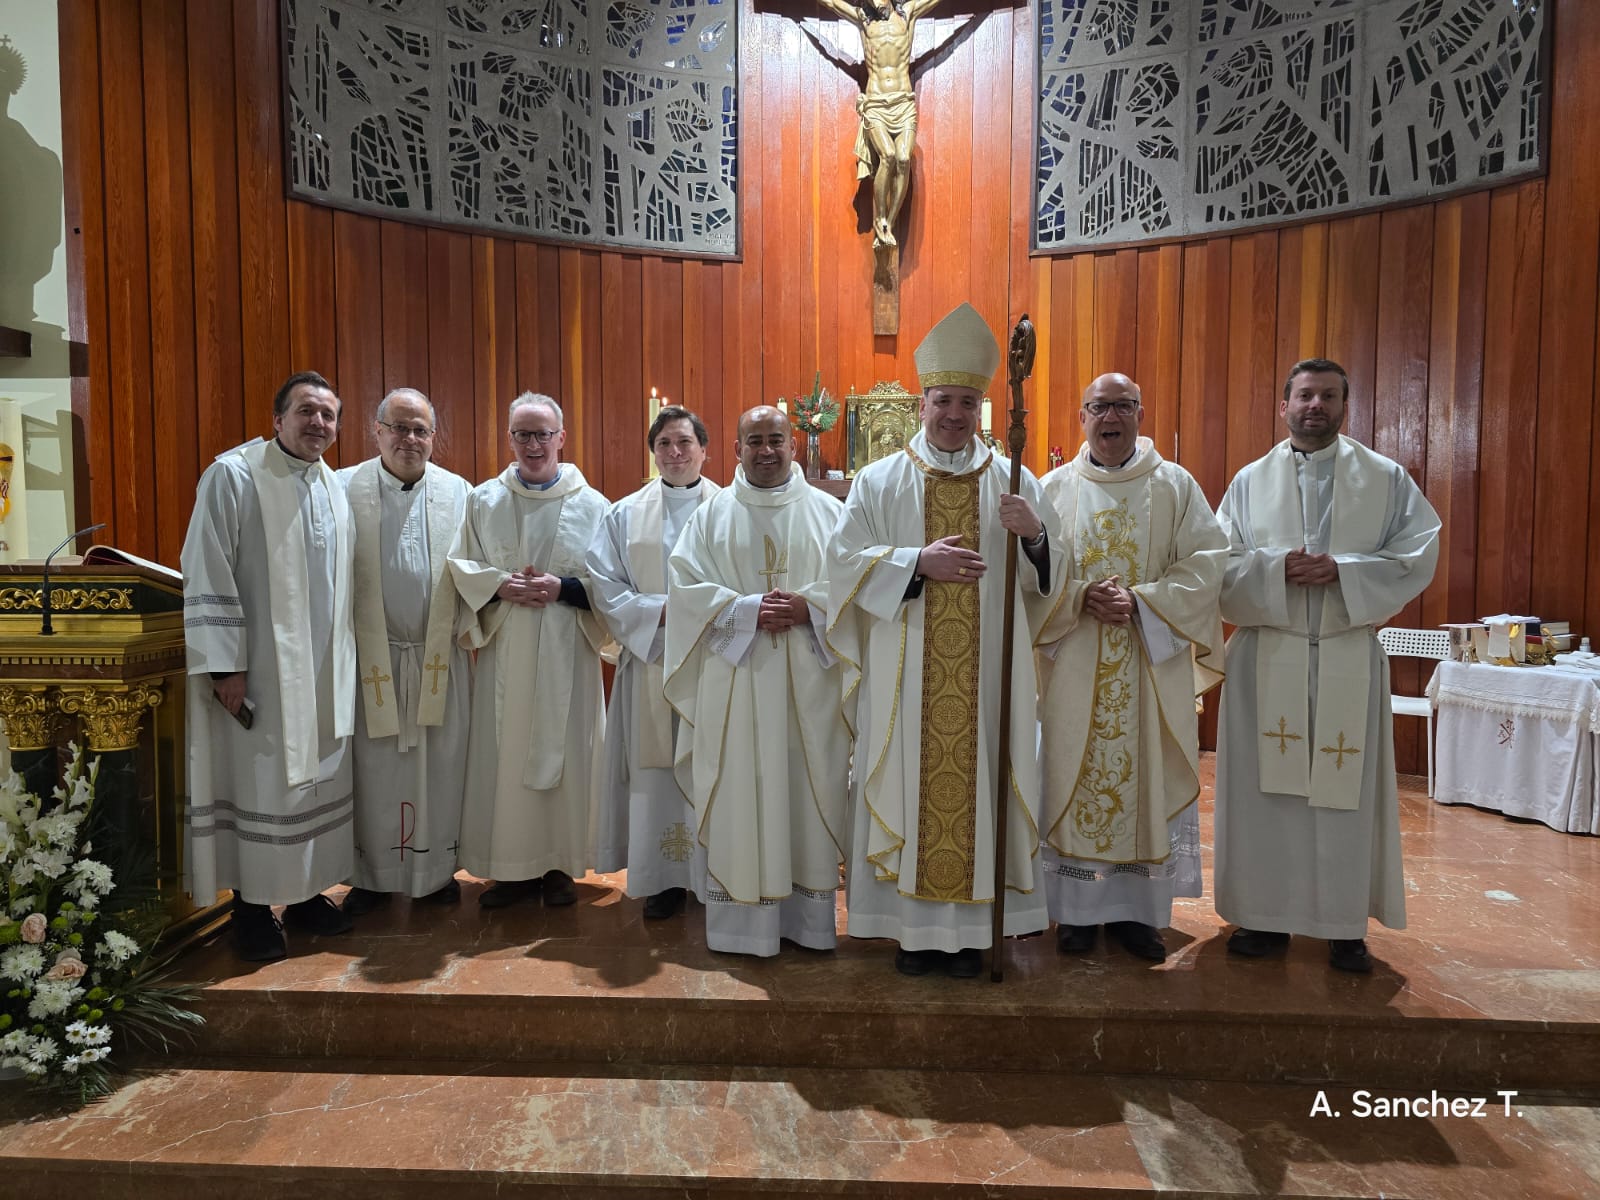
pixel 538 487
pixel 682 487
pixel 390 479
pixel 1326 452
pixel 299 464
pixel 1122 466
pixel 948 460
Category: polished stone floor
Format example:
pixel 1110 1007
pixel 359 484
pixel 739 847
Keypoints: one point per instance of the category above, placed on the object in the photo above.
pixel 589 1052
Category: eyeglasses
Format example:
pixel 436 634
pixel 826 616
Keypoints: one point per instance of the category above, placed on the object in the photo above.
pixel 1123 408
pixel 421 432
pixel 523 436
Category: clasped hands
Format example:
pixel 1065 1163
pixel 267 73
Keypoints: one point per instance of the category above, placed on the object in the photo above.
pixel 1108 602
pixel 529 588
pixel 1310 570
pixel 781 611
pixel 948 561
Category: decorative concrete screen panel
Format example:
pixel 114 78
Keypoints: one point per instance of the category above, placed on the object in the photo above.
pixel 1170 118
pixel 600 121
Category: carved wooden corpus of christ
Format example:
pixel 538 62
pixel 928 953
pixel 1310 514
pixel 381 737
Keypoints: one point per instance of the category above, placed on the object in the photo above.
pixel 887 134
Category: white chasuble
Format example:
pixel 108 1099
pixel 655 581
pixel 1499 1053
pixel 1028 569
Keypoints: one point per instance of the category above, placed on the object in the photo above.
pixel 645 822
pixel 538 722
pixel 1120 733
pixel 411 739
pixel 922 690
pixel 1283 864
pixel 763 752
pixel 267 591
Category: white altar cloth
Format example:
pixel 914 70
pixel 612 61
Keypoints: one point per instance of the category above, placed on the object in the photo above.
pixel 1519 740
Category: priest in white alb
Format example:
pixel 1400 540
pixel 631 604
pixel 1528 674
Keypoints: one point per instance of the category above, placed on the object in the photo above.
pixel 763 751
pixel 411 736
pixel 534 755
pixel 916 598
pixel 272 677
pixel 646 822
pixel 1133 641
pixel 1327 539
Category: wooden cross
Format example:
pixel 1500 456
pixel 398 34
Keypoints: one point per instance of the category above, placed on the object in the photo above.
pixel 1340 751
pixel 437 666
pixel 377 680
pixel 1281 735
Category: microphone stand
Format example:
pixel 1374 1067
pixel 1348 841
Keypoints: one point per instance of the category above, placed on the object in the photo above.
pixel 45 627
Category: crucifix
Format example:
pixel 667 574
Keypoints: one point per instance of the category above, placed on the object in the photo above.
pixel 887 109
pixel 376 680
pixel 437 666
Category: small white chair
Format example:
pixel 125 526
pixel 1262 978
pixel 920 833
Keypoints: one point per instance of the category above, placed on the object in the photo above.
pixel 1432 644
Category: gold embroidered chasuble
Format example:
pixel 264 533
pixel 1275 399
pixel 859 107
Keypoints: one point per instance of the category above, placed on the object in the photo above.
pixel 921 685
pixel 1120 745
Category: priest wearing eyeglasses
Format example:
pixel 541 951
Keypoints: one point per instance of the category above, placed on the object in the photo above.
pixel 1133 640
pixel 534 756
pixel 411 734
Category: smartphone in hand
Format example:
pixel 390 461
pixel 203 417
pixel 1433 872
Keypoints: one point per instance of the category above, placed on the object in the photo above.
pixel 246 716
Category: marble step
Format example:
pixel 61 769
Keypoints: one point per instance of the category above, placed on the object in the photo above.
pixel 595 984
pixel 321 1129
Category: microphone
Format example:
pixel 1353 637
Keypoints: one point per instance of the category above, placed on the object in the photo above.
pixel 45 628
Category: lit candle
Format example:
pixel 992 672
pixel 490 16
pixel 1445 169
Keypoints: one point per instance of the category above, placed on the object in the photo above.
pixel 984 418
pixel 783 405
pixel 653 407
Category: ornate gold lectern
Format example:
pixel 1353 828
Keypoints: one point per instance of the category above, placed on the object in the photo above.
pixel 111 677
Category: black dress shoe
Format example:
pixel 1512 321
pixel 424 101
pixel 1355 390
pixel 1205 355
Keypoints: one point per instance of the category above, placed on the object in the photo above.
pixel 505 892
pixel 1257 943
pixel 1349 954
pixel 450 893
pixel 664 904
pixel 917 962
pixel 318 915
pixel 1140 940
pixel 359 900
pixel 1076 939
pixel 559 891
pixel 964 964
pixel 257 933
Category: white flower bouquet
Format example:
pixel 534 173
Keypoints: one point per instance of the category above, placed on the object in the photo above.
pixel 75 946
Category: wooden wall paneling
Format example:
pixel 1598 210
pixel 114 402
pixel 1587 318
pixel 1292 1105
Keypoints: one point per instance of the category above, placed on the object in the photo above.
pixel 1116 313
pixel 1302 293
pixel 1400 397
pixel 88 323
pixel 1253 369
pixel 174 410
pixel 538 324
pixel 806 199
pixel 405 289
pixel 313 342
pixel 214 222
pixel 1507 443
pixel 1455 390
pixel 494 322
pixel 1562 535
pixel 1039 394
pixel 950 224
pixel 452 383
pixel 624 299
pixel 989 187
pixel 746 382
pixel 1352 340
pixel 781 224
pixel 704 331
pixel 692 304
pixel 581 358
pixel 263 248
pixel 1203 386
pixel 132 427
pixel 663 322
pixel 1159 344
pixel 356 271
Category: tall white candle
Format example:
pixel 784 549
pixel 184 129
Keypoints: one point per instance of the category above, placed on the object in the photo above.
pixel 984 418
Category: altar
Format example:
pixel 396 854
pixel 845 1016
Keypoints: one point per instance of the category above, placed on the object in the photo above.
pixel 1520 740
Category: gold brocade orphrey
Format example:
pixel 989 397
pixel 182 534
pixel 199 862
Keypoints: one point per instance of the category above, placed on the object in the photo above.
pixel 947 796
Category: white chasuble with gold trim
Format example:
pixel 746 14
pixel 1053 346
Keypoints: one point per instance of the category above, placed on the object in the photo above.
pixel 1121 753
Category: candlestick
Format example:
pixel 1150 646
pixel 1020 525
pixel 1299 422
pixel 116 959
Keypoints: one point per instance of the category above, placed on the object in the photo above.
pixel 984 418
pixel 653 407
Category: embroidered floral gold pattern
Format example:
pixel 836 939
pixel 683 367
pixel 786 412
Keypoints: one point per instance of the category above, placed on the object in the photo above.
pixel 947 803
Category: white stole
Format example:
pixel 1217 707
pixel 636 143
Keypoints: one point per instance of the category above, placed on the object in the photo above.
pixel 647 566
pixel 1327 766
pixel 290 610
pixel 372 630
